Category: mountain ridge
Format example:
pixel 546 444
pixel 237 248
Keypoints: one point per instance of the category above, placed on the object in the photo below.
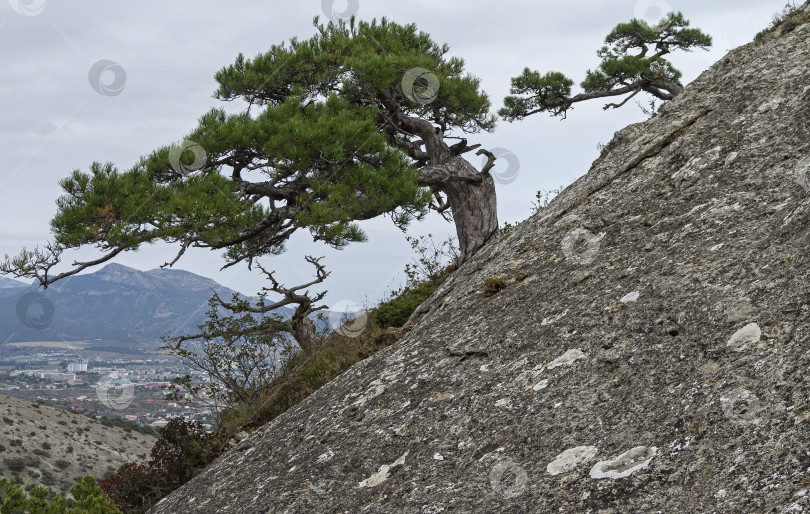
pixel 117 304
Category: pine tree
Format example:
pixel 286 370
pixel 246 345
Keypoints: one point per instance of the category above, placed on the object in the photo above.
pixel 348 125
pixel 620 72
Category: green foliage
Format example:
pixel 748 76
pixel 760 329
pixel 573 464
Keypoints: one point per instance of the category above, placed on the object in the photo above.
pixel 432 262
pixel 431 259
pixel 18 464
pixel 396 311
pixel 87 498
pixel 317 142
pixel 536 91
pixel 544 197
pixel 790 17
pixel 619 72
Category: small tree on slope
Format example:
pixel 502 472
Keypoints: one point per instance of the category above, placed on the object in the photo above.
pixel 619 73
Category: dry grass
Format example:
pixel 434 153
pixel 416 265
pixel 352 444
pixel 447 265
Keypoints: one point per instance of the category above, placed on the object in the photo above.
pixel 305 374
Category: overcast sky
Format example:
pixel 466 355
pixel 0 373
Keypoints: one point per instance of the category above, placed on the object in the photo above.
pixel 53 121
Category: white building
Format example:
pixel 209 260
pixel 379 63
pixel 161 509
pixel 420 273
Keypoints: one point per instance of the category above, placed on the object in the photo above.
pixel 75 367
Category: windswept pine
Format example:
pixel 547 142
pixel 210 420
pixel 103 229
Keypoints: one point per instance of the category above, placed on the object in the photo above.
pixel 621 72
pixel 351 124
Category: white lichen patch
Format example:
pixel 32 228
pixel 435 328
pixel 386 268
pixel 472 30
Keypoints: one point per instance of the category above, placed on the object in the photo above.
pixel 553 319
pixel 442 396
pixel 570 459
pixel 770 105
pixel 630 297
pixel 375 389
pixel 802 173
pixel 567 358
pixel 745 337
pixel 504 402
pixel 382 474
pixel 325 456
pixel 625 464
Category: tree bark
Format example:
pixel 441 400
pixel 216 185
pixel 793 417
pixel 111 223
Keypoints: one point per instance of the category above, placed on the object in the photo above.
pixel 475 212
pixel 472 199
pixel 470 193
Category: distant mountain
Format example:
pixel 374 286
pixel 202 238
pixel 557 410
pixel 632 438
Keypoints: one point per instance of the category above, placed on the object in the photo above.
pixel 10 282
pixel 117 304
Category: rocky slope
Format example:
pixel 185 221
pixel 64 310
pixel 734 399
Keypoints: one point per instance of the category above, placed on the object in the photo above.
pixel 649 352
pixel 53 447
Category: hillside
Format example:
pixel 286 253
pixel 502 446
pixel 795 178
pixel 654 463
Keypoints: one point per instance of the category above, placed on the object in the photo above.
pixel 53 447
pixel 649 351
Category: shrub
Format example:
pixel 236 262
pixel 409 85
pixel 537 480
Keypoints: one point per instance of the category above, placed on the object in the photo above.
pixel 494 285
pixel 182 451
pixel 15 464
pixel 396 311
pixel 47 478
pixel 62 463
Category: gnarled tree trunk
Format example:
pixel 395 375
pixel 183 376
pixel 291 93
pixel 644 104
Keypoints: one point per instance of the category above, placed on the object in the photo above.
pixel 474 210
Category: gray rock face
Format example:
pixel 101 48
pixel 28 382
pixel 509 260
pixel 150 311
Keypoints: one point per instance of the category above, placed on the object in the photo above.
pixel 703 214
